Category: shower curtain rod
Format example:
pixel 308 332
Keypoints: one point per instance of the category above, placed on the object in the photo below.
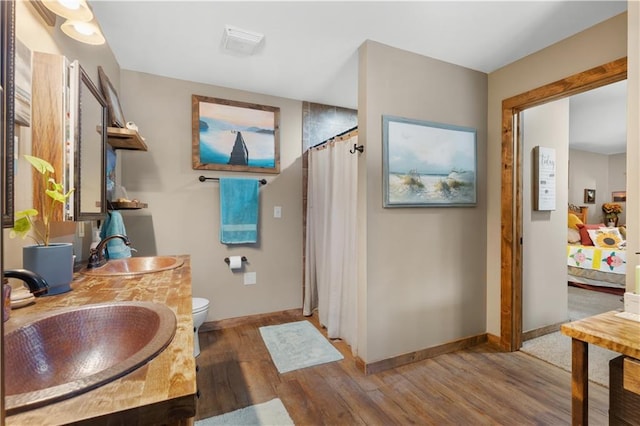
pixel 336 136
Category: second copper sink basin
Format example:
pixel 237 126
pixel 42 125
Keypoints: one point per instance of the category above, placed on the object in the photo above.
pixel 70 351
pixel 135 266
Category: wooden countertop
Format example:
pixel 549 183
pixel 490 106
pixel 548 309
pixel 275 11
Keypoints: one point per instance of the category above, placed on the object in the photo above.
pixel 608 331
pixel 161 391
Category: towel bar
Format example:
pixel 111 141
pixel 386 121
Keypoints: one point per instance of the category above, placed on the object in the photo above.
pixel 204 178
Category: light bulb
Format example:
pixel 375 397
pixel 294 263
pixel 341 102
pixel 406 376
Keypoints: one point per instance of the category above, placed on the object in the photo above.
pixel 84 28
pixel 76 10
pixel 70 4
pixel 85 32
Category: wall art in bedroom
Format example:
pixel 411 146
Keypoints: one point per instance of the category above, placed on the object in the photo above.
pixel 427 164
pixel 234 136
pixel 544 178
pixel 619 196
pixel 589 196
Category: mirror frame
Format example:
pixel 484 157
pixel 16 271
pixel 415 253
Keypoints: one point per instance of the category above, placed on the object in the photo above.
pixel 7 79
pixel 83 83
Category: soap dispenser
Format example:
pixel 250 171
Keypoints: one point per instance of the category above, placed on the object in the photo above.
pixel 96 239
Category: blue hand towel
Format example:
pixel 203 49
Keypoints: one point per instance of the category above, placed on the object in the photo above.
pixel 116 248
pixel 238 211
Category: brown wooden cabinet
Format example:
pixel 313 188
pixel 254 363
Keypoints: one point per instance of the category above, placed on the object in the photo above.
pixel 51 134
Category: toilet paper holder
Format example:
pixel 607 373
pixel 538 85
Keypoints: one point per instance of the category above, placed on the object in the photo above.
pixel 226 259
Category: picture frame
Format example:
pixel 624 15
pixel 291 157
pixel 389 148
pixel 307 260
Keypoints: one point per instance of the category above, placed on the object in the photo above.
pixel 589 196
pixel 428 164
pixel 7 108
pixel 544 178
pixel 115 117
pixel 619 196
pixel 234 136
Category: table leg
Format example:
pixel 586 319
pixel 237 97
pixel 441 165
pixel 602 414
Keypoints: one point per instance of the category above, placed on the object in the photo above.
pixel 579 383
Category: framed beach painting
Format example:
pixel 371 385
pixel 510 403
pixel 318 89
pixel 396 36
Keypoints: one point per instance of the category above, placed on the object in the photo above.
pixel 234 136
pixel 428 164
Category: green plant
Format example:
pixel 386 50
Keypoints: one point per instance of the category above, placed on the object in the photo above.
pixel 53 193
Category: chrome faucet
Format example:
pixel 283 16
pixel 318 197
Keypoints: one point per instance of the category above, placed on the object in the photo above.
pixel 37 285
pixel 96 256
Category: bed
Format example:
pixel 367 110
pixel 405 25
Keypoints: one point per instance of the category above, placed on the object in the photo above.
pixel 598 257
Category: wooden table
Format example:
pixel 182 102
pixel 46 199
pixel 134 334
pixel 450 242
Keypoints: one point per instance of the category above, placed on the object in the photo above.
pixel 606 330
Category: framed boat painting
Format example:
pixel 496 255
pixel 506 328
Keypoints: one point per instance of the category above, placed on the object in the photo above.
pixel 427 164
pixel 234 136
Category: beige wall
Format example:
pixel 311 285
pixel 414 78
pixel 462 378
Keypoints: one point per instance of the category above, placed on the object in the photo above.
pixel 425 267
pixel 600 44
pixel 589 170
pixel 633 140
pixel 185 212
pixel 544 265
pixel 618 181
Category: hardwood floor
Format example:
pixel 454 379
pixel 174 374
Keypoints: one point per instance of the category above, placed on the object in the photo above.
pixel 474 386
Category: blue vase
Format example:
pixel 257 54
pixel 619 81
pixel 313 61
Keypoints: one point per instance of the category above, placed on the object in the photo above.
pixel 54 263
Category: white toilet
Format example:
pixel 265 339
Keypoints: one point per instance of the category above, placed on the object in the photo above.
pixel 199 307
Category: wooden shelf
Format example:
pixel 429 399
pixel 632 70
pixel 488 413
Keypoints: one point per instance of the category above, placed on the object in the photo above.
pixel 127 205
pixel 125 139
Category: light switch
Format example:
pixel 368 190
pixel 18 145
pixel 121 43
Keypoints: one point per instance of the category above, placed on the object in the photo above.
pixel 277 212
pixel 249 278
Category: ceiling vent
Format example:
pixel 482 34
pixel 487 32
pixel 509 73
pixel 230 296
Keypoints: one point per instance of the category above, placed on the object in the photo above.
pixel 241 41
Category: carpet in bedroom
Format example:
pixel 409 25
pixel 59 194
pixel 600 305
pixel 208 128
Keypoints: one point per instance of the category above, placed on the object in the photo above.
pixel 555 348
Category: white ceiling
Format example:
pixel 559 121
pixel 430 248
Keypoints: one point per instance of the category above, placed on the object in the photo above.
pixel 310 50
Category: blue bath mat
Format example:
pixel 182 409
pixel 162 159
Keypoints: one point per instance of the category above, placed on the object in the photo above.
pixel 297 345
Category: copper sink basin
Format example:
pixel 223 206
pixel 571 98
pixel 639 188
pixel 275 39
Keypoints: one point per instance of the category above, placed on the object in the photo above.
pixel 70 351
pixel 135 266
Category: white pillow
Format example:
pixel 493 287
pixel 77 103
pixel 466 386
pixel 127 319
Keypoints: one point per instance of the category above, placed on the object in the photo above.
pixel 573 236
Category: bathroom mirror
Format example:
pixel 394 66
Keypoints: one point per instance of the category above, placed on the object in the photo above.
pixel 7 41
pixel 90 141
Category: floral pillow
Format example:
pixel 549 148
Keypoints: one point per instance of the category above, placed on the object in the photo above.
pixel 605 237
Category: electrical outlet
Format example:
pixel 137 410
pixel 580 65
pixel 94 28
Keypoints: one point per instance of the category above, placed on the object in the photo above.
pixel 277 212
pixel 249 278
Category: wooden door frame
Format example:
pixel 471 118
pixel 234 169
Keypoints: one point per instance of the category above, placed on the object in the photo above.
pixel 511 187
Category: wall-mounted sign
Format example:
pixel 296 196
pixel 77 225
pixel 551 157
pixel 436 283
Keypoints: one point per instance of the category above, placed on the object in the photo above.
pixel 544 178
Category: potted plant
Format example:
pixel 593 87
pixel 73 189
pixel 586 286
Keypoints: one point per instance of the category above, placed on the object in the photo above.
pixel 52 261
pixel 611 212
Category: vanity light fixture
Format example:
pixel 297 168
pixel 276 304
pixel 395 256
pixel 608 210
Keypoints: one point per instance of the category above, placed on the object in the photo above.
pixel 80 23
pixel 75 10
pixel 85 32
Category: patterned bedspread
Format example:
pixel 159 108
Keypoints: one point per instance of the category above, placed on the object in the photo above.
pixel 598 278
pixel 598 259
